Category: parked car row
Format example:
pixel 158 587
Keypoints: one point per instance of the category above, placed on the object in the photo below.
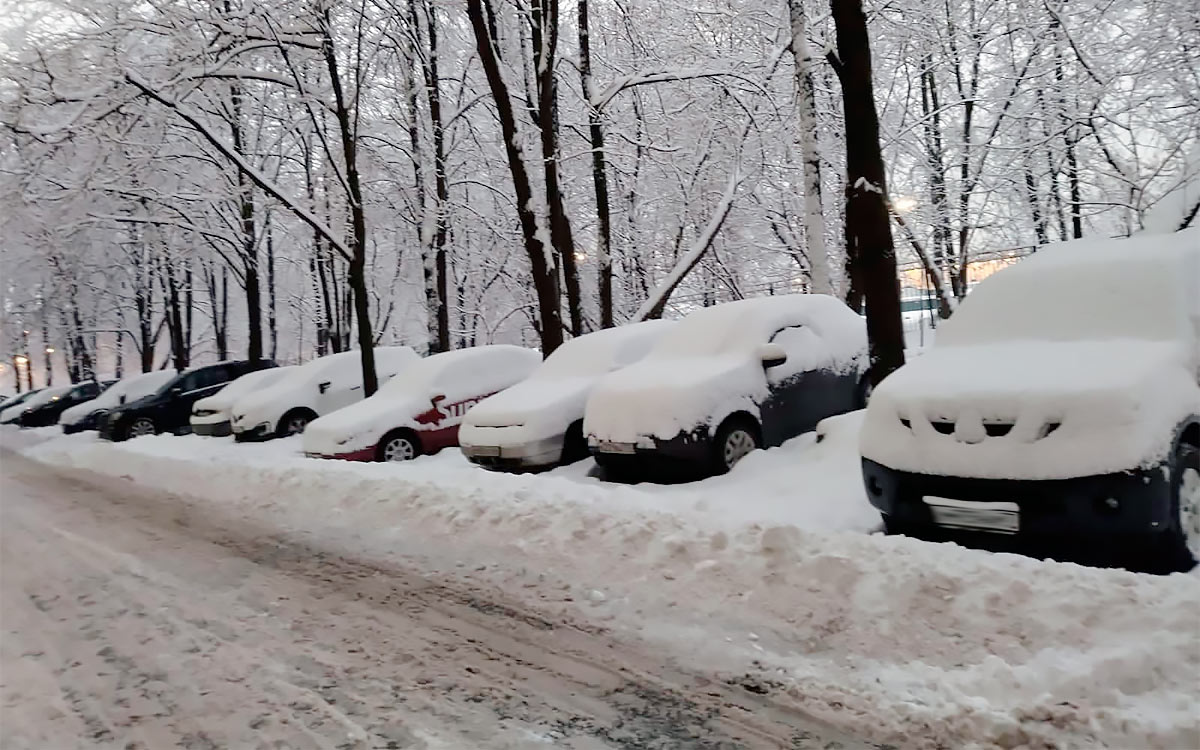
pixel 646 399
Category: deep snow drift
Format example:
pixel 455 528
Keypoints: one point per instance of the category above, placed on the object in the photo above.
pixel 766 572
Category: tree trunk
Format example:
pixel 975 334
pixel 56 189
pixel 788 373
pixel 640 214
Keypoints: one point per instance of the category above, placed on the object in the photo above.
pixel 545 47
pixel 272 315
pixel 604 274
pixel 868 231
pixel 358 258
pixel 806 123
pixel 440 183
pixel 541 256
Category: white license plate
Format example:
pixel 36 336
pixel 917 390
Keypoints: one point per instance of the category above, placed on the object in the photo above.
pixel 491 451
pixel 607 446
pixel 1000 518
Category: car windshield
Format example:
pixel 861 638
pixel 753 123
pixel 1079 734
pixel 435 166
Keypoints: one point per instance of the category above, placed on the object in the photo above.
pixel 1070 302
pixel 47 395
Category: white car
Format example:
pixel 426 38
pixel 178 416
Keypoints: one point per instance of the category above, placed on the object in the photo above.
pixel 1060 405
pixel 86 416
pixel 538 423
pixel 419 411
pixel 727 380
pixel 212 416
pixel 312 390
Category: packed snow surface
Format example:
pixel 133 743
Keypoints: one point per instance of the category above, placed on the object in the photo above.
pixel 1089 350
pixel 459 377
pixel 709 366
pixel 129 389
pixel 550 400
pixel 764 576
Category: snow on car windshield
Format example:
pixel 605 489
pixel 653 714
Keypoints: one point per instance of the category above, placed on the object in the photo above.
pixel 1085 290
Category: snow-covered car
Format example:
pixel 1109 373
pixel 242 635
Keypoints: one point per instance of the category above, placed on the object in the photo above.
pixel 86 416
pixel 168 408
pixel 13 414
pixel 1060 403
pixel 44 413
pixel 538 423
pixel 312 390
pixel 213 416
pixel 11 410
pixel 419 411
pixel 727 380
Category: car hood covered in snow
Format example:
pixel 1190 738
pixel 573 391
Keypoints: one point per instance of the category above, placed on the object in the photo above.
pixel 666 397
pixel 221 402
pixel 1033 410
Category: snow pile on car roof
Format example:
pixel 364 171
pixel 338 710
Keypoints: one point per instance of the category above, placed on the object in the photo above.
pixel 708 366
pixel 1145 287
pixel 224 399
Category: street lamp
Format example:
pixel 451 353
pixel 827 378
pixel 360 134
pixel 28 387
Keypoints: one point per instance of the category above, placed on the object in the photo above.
pixel 902 204
pixel 21 359
pixel 49 349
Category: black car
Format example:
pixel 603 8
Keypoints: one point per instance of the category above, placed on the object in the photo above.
pixel 46 414
pixel 10 410
pixel 169 408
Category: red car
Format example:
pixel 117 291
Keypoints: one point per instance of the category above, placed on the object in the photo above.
pixel 418 411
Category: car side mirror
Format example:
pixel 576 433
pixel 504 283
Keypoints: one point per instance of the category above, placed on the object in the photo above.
pixel 772 355
pixel 176 390
pixel 437 399
pixel 322 387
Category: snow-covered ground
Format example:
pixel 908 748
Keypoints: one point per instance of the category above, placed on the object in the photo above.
pixel 768 576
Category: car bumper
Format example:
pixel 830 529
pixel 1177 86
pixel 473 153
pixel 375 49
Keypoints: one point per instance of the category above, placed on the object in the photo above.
pixel 365 454
pixel 537 454
pixel 212 429
pixel 686 453
pixel 1132 502
pixel 255 434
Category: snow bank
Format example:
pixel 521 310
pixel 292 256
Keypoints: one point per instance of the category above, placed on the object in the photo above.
pixel 763 576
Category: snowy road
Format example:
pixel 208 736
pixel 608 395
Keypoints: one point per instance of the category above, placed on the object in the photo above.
pixel 135 619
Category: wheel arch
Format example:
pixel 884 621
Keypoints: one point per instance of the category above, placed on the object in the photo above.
pixel 407 432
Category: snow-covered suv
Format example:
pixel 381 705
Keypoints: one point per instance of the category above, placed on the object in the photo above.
pixel 726 380
pixel 1061 403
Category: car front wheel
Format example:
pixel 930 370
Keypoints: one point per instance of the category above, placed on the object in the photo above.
pixel 141 427
pixel 735 440
pixel 293 423
pixel 1185 502
pixel 398 447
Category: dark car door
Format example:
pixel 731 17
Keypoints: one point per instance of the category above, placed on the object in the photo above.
pixel 194 386
pixel 802 392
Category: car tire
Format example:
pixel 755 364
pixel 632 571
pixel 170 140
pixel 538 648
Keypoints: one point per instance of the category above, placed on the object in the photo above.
pixel 141 427
pixel 397 447
pixel 575 447
pixel 1183 547
pixel 736 438
pixel 294 422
